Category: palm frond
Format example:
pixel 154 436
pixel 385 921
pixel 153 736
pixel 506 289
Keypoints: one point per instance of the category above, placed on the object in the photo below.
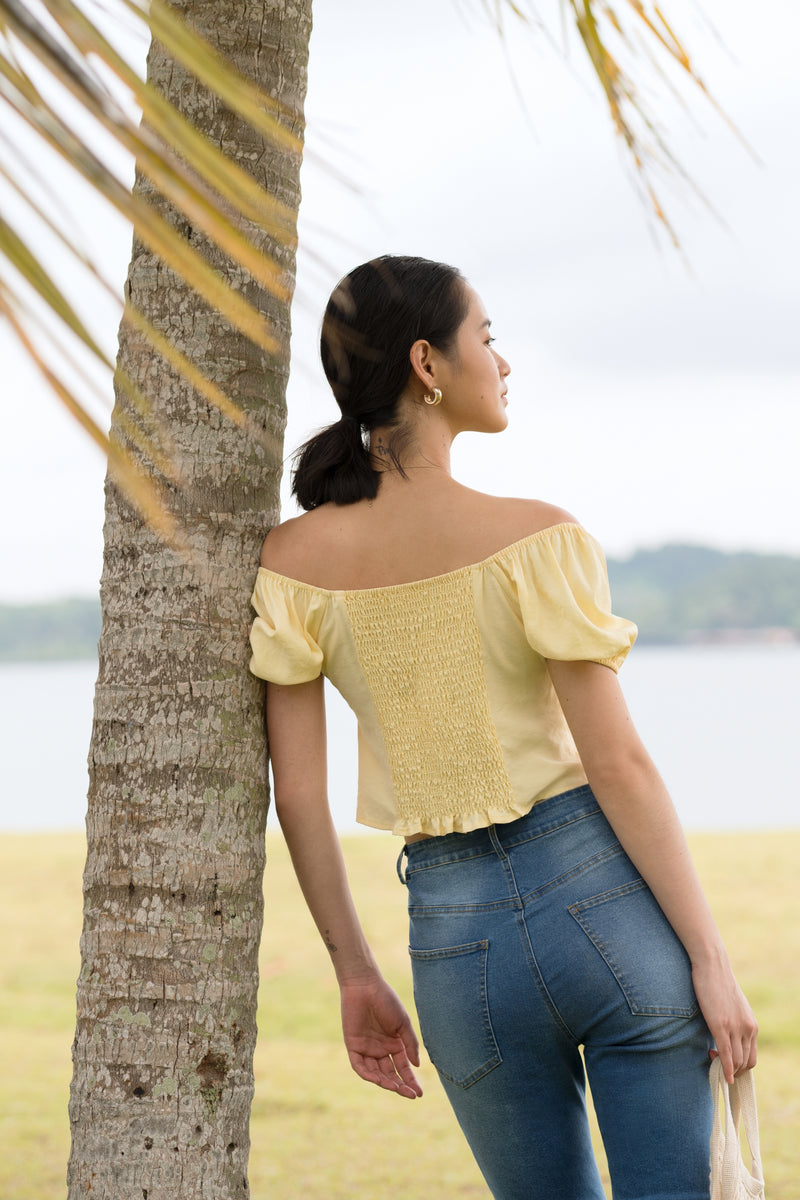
pixel 240 93
pixel 29 267
pixel 52 49
pixel 29 103
pixel 618 41
pixel 139 488
pixel 55 47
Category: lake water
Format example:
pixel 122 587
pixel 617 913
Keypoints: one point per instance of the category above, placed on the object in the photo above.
pixel 720 721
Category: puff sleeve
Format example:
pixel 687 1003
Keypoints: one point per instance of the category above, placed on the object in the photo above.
pixel 283 635
pixel 562 588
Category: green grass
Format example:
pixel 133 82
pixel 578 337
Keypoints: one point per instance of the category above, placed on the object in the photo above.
pixel 318 1131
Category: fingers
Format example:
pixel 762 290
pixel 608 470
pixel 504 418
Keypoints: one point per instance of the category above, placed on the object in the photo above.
pixel 752 1058
pixel 746 1057
pixel 392 1072
pixel 737 1054
pixel 726 1058
pixel 406 1073
pixel 729 1017
pixel 380 1039
pixel 411 1044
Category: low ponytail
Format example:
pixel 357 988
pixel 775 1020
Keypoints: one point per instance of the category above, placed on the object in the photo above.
pixel 373 318
pixel 334 465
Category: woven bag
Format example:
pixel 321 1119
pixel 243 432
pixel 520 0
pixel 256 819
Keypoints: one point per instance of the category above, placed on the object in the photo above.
pixel 730 1178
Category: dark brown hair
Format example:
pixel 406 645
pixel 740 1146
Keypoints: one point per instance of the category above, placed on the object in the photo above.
pixel 372 320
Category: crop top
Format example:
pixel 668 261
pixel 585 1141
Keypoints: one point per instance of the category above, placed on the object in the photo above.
pixel 459 726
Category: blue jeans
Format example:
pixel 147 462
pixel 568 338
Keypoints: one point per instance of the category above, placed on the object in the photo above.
pixel 533 939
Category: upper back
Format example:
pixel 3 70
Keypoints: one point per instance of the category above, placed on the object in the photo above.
pixel 410 531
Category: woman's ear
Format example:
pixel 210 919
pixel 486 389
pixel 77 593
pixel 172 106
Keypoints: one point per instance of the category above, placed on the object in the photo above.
pixel 421 357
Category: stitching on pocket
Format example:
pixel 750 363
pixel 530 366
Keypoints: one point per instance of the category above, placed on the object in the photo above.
pixel 628 968
pixel 460 1042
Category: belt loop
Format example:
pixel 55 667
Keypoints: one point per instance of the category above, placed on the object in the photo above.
pixel 400 873
pixel 497 845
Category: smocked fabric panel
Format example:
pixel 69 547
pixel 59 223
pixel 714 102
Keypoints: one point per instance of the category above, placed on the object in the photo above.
pixel 419 647
pixel 545 596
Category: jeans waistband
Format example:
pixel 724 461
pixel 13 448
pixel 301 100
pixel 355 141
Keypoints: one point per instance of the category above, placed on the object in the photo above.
pixel 544 817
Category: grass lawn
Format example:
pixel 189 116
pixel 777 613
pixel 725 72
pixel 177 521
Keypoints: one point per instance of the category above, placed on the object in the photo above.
pixel 318 1131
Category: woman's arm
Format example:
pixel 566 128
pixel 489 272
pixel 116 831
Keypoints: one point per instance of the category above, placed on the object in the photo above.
pixel 380 1040
pixel 635 801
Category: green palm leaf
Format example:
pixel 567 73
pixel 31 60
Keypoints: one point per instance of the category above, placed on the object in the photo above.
pixel 213 194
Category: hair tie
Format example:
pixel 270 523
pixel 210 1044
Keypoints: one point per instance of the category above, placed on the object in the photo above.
pixel 348 417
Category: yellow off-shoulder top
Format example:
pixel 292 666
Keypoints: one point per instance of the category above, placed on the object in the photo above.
pixel 458 723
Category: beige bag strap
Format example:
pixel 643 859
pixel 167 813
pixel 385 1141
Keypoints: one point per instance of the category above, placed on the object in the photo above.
pixel 730 1178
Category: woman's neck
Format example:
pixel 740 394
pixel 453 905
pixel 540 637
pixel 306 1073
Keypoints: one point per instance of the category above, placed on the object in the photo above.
pixel 422 450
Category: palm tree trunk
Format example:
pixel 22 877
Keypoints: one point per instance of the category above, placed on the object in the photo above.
pixel 166 1026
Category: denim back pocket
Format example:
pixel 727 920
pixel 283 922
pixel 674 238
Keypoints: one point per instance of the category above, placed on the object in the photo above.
pixel 453 1009
pixel 637 942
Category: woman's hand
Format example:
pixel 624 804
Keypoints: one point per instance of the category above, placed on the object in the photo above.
pixel 380 1040
pixel 728 1015
pixel 635 801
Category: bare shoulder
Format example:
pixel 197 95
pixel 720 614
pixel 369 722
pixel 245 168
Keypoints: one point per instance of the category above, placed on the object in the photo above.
pixel 539 515
pixel 306 547
pixel 515 519
pixel 286 545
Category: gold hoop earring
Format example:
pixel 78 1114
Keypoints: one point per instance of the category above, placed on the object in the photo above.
pixel 434 399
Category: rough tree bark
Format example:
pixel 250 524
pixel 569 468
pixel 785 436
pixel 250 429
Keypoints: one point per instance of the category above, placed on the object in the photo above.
pixel 166 1026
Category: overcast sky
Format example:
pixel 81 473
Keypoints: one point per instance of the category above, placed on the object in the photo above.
pixel 656 401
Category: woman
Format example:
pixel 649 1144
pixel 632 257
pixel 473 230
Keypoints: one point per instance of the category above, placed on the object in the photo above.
pixel 552 902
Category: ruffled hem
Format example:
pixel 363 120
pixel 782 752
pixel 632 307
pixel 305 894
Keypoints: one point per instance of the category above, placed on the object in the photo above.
pixel 438 826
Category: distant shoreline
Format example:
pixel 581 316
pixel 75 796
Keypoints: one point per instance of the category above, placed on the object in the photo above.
pixel 714 638
pixel 678 595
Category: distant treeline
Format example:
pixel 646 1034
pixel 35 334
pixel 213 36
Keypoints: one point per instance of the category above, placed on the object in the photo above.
pixel 674 594
pixel 64 629
pixel 692 593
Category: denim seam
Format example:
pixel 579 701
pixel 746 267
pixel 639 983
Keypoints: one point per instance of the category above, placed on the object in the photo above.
pixel 523 839
pixel 498 846
pixel 602 856
pixel 496 1057
pixel 520 906
pixel 423 910
pixel 613 851
pixel 624 889
pixel 452 853
pixel 515 900
pixel 636 1008
pixel 538 978
pixel 444 860
pixel 447 951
